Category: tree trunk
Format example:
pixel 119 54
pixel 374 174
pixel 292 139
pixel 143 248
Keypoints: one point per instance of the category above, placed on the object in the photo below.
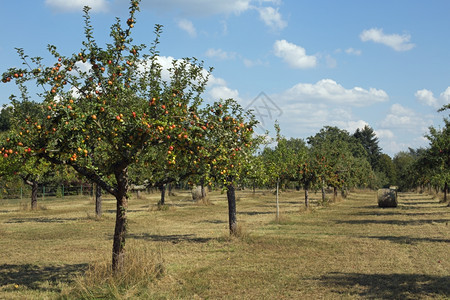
pixel 306 197
pixel 445 192
pixel 170 189
pixel 278 203
pixel 162 189
pixel 34 193
pixel 231 196
pixel 323 192
pixel 98 201
pixel 203 191
pixel 120 230
pixel 334 194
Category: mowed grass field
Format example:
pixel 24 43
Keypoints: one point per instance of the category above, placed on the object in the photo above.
pixel 348 250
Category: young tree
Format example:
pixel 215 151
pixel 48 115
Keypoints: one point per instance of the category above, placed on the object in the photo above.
pixel 280 163
pixel 105 108
pixel 229 144
pixel 254 173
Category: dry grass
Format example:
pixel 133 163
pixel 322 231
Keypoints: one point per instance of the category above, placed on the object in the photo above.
pixel 143 267
pixel 348 250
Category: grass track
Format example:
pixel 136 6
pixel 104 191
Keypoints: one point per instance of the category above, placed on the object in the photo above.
pixel 349 250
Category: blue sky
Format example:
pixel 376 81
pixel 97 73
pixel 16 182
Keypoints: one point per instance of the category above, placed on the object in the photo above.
pixel 311 63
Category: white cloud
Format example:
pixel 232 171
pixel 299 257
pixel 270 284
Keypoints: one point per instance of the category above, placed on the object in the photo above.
pixel 403 127
pixel 445 96
pixel 306 108
pixel 166 63
pixel 328 90
pixel 199 7
pixel 272 18
pixel 77 5
pixel 393 146
pixel 400 117
pixel 83 66
pixel 395 41
pixel 216 81
pixel 313 117
pixel 295 56
pixel 351 126
pixel 426 97
pixel 223 92
pixel 384 134
pixel 187 26
pixel 195 8
pixel 274 2
pixel 220 54
pixel 398 109
pixel 353 51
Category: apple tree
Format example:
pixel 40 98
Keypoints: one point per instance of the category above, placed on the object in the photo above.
pixel 15 163
pixel 437 156
pixel 105 108
pixel 229 144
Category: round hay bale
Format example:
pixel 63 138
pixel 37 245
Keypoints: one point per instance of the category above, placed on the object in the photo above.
pixel 198 193
pixel 387 198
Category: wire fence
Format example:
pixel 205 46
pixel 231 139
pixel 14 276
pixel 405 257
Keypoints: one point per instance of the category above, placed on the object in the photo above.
pixel 59 191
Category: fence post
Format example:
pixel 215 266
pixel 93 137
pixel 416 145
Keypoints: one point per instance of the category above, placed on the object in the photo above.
pixel 62 191
pixel 21 193
pixel 81 190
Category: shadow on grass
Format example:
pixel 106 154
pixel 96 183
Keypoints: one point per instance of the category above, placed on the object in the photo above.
pixel 393 222
pixel 113 211
pixel 389 286
pixel 41 220
pixel 33 276
pixel 418 202
pixel 173 238
pixel 404 207
pixel 255 213
pixel 213 222
pixel 407 239
pixel 384 212
pixel 377 212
